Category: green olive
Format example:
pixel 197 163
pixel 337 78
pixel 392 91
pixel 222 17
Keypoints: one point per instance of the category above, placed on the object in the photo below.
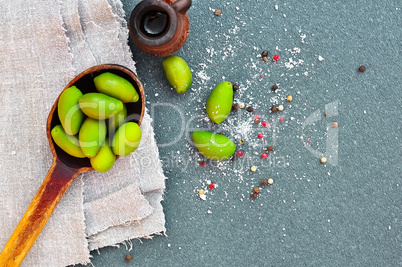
pixel 178 73
pixel 219 103
pixel 126 139
pixel 70 115
pixel 68 143
pixel 116 86
pixel 117 120
pixel 92 135
pixel 213 146
pixel 99 106
pixel 104 160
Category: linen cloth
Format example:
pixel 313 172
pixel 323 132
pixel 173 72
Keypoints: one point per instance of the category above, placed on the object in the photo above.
pixel 43 45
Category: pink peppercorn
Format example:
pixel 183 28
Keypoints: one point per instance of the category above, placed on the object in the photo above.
pixel 264 155
pixel 260 136
pixel 276 57
pixel 240 153
pixel 202 163
pixel 281 119
pixel 264 124
pixel 211 186
pixel 256 116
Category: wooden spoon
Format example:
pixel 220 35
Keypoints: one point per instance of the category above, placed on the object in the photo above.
pixel 64 168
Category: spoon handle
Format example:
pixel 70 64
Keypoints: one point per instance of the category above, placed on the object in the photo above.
pixel 49 194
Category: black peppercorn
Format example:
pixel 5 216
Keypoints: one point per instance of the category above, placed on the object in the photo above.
pixel 274 87
pixel 254 195
pixel 235 87
pixel 274 109
pixel 270 148
pixel 264 182
pixel 264 53
pixel 235 107
pixel 362 68
pixel 250 109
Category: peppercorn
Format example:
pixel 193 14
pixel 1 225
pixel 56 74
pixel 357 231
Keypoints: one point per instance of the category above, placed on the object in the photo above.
pixel 222 133
pixel 274 109
pixel 129 257
pixel 235 87
pixel 201 191
pixel 253 168
pixel 257 120
pixel 270 181
pixel 241 105
pixel 264 182
pixel 235 107
pixel 264 53
pixel 275 58
pixel 256 190
pixel 326 114
pixel 218 12
pixel 270 148
pixel 289 98
pixel 265 58
pixel 250 109
pixel 254 195
pixel 323 160
pixel 362 68
pixel 241 142
pixel 274 87
pixel 280 107
pixel 334 124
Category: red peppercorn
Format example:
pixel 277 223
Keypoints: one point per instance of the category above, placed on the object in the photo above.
pixel 264 155
pixel 281 119
pixel 264 124
pixel 128 257
pixel 202 163
pixel 276 57
pixel 240 153
pixel 260 136
pixel 211 186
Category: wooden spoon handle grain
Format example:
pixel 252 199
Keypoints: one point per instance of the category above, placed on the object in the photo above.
pixel 49 194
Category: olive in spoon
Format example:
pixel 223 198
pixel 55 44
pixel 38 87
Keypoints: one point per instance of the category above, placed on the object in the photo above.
pixel 63 169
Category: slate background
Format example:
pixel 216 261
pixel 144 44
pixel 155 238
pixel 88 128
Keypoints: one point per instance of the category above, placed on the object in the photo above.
pixel 314 214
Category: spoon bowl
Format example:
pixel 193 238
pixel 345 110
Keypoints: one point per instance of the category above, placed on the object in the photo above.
pixel 64 167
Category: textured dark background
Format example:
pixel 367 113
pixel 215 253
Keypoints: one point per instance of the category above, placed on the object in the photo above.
pixel 341 214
